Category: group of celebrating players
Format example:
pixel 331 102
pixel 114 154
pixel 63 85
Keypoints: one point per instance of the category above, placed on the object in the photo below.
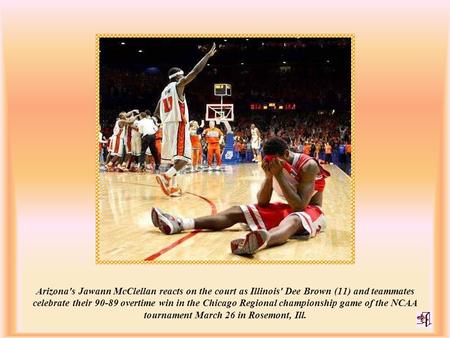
pixel 126 150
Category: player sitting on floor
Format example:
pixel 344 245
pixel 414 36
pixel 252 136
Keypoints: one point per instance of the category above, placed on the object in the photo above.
pixel 297 178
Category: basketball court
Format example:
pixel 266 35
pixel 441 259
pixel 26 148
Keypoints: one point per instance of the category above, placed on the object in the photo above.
pixel 126 233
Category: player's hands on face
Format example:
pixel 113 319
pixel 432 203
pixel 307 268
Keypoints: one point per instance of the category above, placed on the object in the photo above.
pixel 212 51
pixel 265 167
pixel 276 166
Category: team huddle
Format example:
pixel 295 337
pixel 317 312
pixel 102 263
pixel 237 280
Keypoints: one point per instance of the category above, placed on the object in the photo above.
pixel 135 135
pixel 137 140
pixel 297 178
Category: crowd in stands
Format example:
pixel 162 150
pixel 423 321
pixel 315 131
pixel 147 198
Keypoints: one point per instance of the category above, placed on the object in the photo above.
pixel 304 133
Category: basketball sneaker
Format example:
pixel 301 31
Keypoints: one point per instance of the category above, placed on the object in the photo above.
pixel 168 224
pixel 164 182
pixel 251 243
pixel 175 192
pixel 122 168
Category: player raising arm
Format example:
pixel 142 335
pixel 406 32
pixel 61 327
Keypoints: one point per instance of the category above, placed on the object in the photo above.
pixel 174 114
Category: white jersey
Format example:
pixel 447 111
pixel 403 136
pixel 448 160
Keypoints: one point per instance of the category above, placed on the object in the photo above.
pixel 135 133
pixel 255 136
pixel 118 131
pixel 127 132
pixel 194 133
pixel 172 108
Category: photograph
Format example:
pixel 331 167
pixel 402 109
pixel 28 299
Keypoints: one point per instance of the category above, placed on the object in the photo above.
pixel 225 149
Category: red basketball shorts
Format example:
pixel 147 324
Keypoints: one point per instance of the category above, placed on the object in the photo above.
pixel 312 218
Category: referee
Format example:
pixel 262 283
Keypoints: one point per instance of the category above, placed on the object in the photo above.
pixel 148 128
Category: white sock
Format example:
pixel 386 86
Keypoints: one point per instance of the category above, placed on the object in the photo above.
pixel 173 182
pixel 265 243
pixel 187 223
pixel 171 172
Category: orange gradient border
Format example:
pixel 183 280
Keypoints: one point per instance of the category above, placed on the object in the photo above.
pixel 440 265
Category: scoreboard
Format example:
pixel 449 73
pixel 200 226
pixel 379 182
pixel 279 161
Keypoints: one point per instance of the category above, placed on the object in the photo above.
pixel 222 89
pixel 273 106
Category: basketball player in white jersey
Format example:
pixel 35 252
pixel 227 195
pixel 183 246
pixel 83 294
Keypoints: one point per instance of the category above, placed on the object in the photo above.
pixel 131 117
pixel 127 143
pixel 173 111
pixel 255 141
pixel 117 140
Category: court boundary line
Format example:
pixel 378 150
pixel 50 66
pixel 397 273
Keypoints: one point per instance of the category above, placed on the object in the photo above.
pixel 187 236
pixel 346 175
pixel 171 246
pixel 341 261
pixel 184 238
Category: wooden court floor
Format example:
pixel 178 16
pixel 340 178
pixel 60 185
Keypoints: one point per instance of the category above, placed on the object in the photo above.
pixel 126 233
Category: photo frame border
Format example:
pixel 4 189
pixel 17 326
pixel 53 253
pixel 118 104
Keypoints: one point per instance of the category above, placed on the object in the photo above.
pixel 352 179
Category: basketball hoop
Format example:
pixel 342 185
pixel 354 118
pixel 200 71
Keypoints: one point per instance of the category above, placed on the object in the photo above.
pixel 222 112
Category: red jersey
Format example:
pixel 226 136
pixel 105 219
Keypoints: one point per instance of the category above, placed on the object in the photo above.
pixel 299 161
